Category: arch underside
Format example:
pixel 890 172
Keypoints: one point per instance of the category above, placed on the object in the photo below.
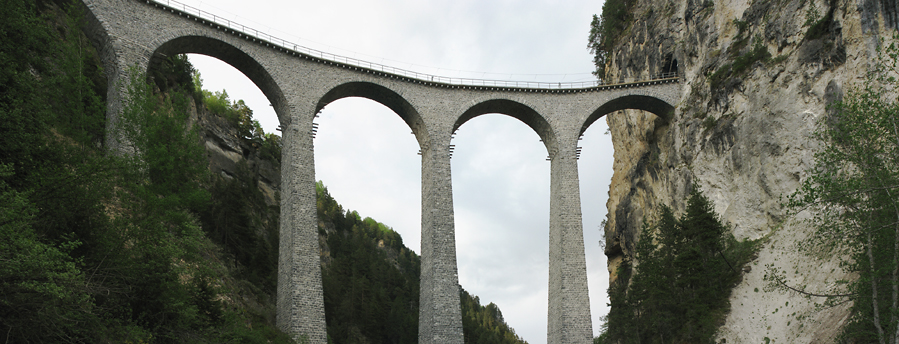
pixel 384 96
pixel 231 55
pixel 514 109
pixel 636 102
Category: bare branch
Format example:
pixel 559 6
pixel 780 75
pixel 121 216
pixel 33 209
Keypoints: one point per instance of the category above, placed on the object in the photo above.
pixel 803 292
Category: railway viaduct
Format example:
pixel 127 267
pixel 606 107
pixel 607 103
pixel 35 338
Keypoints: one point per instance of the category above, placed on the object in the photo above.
pixel 299 82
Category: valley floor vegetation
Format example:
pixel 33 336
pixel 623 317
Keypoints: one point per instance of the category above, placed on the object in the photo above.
pixel 371 284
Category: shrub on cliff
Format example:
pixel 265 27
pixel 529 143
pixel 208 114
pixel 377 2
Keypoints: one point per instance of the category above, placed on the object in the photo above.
pixel 605 30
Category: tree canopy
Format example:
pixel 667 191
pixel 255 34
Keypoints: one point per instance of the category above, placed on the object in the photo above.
pixel 94 247
pixel 679 287
pixel 605 30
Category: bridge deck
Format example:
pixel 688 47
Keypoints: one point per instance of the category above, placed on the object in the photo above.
pixel 287 47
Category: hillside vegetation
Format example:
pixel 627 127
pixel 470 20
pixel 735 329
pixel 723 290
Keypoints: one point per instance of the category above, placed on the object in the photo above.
pixel 97 248
pixel 371 284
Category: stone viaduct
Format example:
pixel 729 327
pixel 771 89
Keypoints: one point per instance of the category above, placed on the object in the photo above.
pixel 137 33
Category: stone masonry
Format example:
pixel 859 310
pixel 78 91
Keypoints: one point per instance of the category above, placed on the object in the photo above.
pixel 132 35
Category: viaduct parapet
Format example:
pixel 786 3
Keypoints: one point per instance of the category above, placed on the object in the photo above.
pixel 138 33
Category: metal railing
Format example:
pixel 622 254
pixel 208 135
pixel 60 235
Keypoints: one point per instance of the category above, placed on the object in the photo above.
pixel 251 33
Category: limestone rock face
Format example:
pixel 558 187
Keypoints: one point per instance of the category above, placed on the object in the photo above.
pixel 226 150
pixel 741 133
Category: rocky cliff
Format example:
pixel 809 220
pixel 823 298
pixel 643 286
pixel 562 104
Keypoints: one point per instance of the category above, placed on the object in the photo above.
pixel 227 151
pixel 757 77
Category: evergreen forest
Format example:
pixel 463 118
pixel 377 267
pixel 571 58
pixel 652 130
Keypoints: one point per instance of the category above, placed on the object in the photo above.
pixel 678 291
pixel 371 284
pixel 152 247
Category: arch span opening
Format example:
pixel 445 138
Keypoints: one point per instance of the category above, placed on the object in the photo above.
pixel 230 55
pixel 368 161
pixel 367 158
pixel 501 196
pixel 636 102
pixel 516 110
pixel 385 97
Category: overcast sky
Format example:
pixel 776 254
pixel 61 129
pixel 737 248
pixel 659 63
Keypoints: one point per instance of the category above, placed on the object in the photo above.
pixel 367 156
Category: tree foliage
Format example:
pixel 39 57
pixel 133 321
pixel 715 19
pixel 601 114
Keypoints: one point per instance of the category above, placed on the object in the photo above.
pixel 605 30
pixel 47 180
pixel 852 193
pixel 240 116
pixel 371 284
pixel 371 280
pixel 239 220
pixel 679 290
pixel 96 248
pixel 485 324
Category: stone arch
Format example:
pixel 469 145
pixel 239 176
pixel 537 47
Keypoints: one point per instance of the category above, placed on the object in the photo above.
pixel 199 43
pixel 100 31
pixel 517 110
pixel 651 104
pixel 384 96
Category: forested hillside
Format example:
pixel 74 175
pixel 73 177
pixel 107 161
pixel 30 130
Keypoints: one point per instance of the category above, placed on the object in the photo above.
pixel 371 284
pixel 177 243
pixel 98 248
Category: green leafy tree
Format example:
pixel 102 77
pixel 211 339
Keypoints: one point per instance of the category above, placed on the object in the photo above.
pixel 371 281
pixel 42 286
pixel 159 249
pixel 852 193
pixel 237 113
pixel 168 155
pixel 51 181
pixel 156 242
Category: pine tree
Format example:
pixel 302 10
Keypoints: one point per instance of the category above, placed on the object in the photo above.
pixel 681 282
